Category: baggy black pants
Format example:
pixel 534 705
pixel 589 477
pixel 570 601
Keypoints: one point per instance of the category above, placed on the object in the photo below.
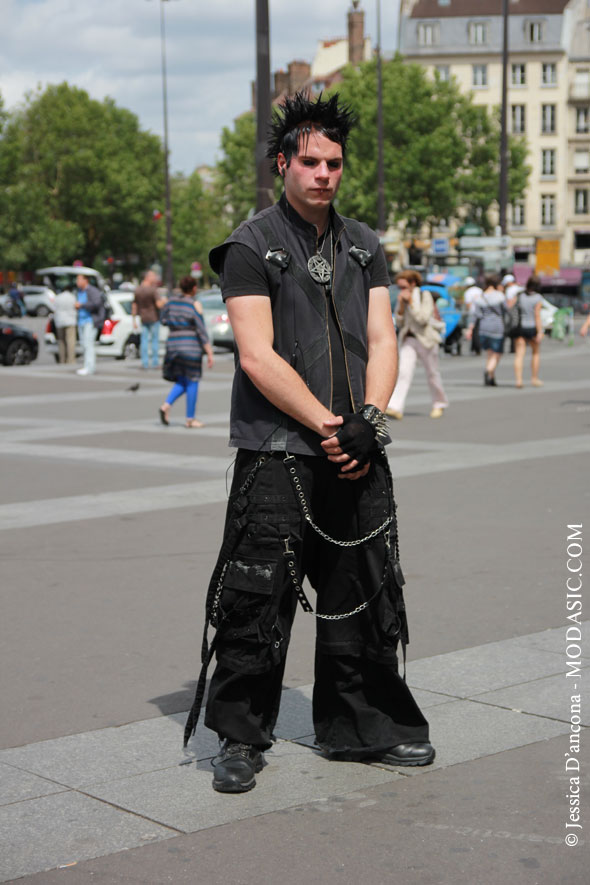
pixel 361 705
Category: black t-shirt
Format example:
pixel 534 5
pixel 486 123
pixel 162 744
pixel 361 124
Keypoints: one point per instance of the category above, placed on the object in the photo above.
pixel 242 273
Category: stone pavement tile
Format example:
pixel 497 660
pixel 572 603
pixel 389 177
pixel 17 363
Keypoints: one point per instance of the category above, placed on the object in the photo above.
pixel 183 798
pixel 470 671
pixel 111 753
pixel 554 640
pixel 295 716
pixel 16 785
pixel 495 820
pixel 44 833
pixel 550 697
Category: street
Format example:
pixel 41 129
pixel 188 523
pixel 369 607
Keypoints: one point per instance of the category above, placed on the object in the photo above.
pixel 110 526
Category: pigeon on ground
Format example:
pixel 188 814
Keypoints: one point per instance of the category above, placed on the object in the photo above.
pixel 134 388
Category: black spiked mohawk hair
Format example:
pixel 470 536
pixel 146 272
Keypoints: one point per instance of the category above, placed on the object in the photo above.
pixel 302 115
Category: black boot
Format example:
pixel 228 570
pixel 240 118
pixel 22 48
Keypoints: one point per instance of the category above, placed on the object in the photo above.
pixel 418 753
pixel 235 766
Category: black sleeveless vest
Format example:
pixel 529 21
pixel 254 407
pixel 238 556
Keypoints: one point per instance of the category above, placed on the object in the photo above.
pixel 284 242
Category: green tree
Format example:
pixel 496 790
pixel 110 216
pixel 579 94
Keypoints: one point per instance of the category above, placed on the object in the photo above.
pixel 80 179
pixel 440 150
pixel 197 223
pixel 236 169
pixel 480 178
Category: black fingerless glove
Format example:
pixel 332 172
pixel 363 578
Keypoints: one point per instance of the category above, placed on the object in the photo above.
pixel 356 437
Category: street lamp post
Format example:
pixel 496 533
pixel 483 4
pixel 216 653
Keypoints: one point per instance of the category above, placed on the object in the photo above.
pixel 503 190
pixel 169 273
pixel 264 180
pixel 381 221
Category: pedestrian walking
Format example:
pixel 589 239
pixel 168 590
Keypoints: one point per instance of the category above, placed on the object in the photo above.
pixel 529 330
pixel 91 312
pixel 146 304
pixel 470 296
pixel 64 320
pixel 307 295
pixel 187 340
pixel 488 319
pixel 419 338
pixel 17 301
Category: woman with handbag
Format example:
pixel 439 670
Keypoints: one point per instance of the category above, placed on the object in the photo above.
pixel 488 315
pixel 528 331
pixel 418 330
pixel 187 340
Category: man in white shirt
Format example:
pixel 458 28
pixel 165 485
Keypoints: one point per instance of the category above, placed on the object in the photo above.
pixel 470 296
pixel 511 287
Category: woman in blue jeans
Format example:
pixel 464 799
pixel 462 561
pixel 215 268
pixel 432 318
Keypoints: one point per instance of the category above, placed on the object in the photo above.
pixel 187 340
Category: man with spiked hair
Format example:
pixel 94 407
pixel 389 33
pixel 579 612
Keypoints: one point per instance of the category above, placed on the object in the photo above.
pixel 312 495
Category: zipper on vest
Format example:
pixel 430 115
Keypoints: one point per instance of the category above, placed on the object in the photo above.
pixel 332 296
pixel 317 248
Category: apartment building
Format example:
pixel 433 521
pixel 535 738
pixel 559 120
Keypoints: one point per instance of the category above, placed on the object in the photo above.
pixel 548 99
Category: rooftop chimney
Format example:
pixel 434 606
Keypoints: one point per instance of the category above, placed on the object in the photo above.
pixel 356 34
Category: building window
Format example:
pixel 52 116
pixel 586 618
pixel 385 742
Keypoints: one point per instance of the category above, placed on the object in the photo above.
pixel 478 33
pixel 480 75
pixel 548 162
pixel 519 75
pixel 581 161
pixel 581 85
pixel 518 217
pixel 582 120
pixel 548 119
pixel 549 74
pixel 548 210
pixel 518 116
pixel 581 240
pixel 428 33
pixel 581 201
pixel 534 31
pixel 444 72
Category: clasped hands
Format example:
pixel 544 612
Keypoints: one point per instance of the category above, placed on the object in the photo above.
pixel 350 445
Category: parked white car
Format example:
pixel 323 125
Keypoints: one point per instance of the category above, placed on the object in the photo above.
pixel 117 337
pixel 38 300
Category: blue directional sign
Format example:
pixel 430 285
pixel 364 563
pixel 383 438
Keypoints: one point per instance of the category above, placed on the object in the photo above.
pixel 440 246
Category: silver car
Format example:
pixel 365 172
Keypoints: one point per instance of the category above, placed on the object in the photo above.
pixel 216 319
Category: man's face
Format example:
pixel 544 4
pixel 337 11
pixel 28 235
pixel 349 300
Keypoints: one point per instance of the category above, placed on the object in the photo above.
pixel 313 176
pixel 81 281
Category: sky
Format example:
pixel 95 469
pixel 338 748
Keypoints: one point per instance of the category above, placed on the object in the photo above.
pixel 112 48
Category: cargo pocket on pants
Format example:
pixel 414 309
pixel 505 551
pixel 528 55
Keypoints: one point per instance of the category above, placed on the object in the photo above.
pixel 247 613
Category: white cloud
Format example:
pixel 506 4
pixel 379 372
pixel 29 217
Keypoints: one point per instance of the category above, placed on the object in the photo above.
pixel 112 47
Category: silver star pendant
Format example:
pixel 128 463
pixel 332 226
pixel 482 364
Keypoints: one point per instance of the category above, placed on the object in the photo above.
pixel 319 269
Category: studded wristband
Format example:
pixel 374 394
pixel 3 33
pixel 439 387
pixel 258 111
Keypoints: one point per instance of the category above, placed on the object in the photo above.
pixel 376 419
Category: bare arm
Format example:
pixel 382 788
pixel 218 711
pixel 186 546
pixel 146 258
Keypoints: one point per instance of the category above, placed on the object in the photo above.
pixel 382 342
pixel 251 320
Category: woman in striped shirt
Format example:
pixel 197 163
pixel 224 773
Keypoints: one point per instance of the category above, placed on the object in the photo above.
pixel 187 340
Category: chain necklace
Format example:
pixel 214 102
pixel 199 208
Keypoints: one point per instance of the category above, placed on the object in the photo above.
pixel 320 269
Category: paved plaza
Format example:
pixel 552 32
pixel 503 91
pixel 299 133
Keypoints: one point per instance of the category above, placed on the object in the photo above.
pixel 109 528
